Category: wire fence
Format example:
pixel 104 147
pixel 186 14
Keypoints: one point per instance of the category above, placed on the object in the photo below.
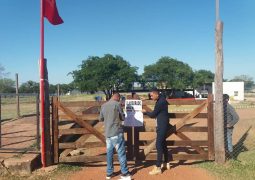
pixel 239 123
pixel 20 112
pixel 15 106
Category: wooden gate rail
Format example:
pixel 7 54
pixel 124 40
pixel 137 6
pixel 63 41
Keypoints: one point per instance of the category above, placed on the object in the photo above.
pixel 183 126
pixel 200 149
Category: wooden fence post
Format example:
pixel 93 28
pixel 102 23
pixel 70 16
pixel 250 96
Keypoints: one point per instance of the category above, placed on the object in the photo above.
pixel 136 140
pixel 55 130
pixel 218 112
pixel 37 122
pixel 17 96
pixel 210 127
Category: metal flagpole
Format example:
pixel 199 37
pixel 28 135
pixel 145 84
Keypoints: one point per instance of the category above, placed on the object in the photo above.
pixel 42 98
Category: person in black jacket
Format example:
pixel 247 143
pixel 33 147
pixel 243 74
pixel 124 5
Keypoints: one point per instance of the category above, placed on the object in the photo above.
pixel 160 112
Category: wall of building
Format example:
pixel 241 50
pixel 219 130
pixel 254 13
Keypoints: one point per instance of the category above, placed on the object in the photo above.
pixel 234 89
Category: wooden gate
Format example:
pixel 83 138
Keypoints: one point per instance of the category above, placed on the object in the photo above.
pixel 72 130
pixel 194 137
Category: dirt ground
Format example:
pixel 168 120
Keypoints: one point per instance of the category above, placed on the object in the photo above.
pixel 141 172
pixel 20 135
pixel 179 171
pixel 17 137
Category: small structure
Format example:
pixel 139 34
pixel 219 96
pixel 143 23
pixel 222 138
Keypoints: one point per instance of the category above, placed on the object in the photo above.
pixel 234 89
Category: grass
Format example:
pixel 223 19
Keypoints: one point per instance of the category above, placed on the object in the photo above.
pixel 241 168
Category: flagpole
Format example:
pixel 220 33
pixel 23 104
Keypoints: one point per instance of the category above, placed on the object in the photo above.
pixel 42 85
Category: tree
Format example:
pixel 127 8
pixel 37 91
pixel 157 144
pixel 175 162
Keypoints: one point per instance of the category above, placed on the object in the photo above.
pixel 248 81
pixel 202 77
pixel 29 87
pixel 169 73
pixel 105 74
pixel 65 88
pixel 7 85
pixel 2 72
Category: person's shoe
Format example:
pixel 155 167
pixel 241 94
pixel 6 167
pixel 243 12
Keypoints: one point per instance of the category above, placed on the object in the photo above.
pixel 165 166
pixel 109 176
pixel 156 170
pixel 126 176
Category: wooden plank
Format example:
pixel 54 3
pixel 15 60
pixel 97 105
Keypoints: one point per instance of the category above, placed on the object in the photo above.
pixel 73 145
pixel 179 125
pixel 73 131
pixel 83 103
pixel 183 129
pixel 185 102
pixel 65 153
pixel 81 141
pixel 178 102
pixel 136 142
pixel 93 117
pixel 86 159
pixel 85 117
pixel 179 157
pixel 178 143
pixel 129 144
pixel 70 145
pixel 181 115
pixel 210 128
pixel 193 129
pixel 81 122
pixel 92 110
pixel 146 108
pixel 184 137
pixel 55 130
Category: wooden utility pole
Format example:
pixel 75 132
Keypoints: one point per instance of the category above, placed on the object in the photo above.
pixel 58 92
pixel 218 79
pixel 17 95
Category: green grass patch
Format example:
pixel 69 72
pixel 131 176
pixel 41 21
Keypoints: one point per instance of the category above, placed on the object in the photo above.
pixel 241 168
pixel 68 167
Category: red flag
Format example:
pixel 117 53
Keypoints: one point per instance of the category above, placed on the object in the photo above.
pixel 50 11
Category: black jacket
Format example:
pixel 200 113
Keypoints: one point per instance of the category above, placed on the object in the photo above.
pixel 160 112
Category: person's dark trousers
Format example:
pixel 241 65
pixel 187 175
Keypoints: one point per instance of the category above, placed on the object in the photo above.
pixel 161 147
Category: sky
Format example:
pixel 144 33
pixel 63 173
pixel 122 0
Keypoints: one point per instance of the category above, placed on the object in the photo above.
pixel 141 31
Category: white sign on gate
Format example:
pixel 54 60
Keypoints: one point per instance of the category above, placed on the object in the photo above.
pixel 133 113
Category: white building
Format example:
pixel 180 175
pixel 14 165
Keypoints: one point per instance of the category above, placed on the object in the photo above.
pixel 235 90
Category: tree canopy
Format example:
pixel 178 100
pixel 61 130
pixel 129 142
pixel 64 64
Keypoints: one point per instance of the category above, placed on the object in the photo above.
pixel 105 74
pixel 169 73
pixel 248 81
pixel 7 85
pixel 202 77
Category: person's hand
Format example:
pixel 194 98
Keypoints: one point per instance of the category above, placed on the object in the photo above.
pixel 144 111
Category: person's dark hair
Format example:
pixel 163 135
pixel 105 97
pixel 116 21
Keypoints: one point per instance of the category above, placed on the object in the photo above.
pixel 225 96
pixel 155 90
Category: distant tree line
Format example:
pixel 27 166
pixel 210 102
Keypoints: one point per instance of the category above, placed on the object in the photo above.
pixel 109 73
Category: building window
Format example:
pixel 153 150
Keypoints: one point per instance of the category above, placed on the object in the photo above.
pixel 235 93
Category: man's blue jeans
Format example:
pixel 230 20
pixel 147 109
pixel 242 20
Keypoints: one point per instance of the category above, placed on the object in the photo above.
pixel 117 142
pixel 229 139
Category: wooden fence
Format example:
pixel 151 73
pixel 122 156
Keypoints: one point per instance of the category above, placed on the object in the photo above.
pixel 78 136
